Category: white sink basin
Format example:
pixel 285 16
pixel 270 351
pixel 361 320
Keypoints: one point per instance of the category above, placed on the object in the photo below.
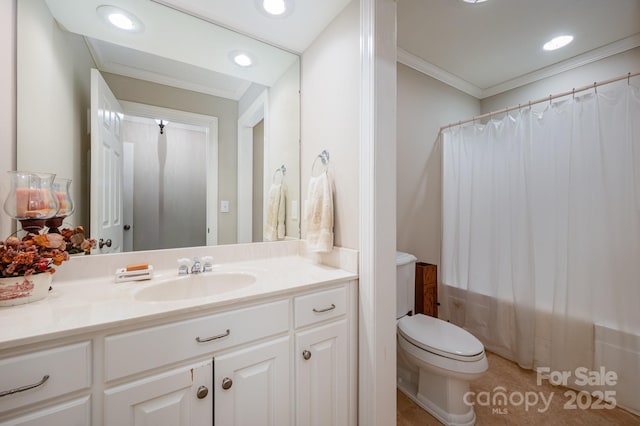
pixel 195 286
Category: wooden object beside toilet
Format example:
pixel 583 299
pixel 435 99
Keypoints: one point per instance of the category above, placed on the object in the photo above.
pixel 426 289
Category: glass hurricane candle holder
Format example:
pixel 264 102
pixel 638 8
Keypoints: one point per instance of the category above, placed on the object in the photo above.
pixel 31 200
pixel 61 191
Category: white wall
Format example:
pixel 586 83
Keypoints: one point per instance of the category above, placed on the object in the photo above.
pixel 54 86
pixel 7 106
pixel 330 117
pixel 424 105
pixel 283 141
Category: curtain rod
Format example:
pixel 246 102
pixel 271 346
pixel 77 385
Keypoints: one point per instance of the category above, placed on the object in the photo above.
pixel 547 99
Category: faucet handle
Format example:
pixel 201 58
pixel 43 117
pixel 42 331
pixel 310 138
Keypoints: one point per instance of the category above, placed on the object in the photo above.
pixel 183 266
pixel 207 263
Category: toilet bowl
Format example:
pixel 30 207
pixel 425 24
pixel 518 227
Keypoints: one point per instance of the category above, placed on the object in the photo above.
pixel 436 359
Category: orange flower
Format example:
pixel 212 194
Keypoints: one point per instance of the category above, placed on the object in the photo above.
pixel 59 258
pixel 41 240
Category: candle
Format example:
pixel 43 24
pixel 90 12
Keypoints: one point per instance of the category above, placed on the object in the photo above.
pixel 64 203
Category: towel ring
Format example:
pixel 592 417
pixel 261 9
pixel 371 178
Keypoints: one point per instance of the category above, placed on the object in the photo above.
pixel 282 169
pixel 324 157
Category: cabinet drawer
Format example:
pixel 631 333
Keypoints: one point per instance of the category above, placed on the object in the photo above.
pixel 142 350
pixel 71 413
pixel 320 306
pixel 68 369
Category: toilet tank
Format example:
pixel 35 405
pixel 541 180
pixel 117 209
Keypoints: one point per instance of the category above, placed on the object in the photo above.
pixel 405 283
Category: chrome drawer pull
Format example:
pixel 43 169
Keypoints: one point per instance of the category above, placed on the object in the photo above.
pixel 25 388
pixel 208 339
pixel 319 311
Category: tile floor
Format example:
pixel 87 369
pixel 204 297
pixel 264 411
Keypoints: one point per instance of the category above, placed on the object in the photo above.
pixel 508 375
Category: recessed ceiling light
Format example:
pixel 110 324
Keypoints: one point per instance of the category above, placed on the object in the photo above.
pixel 120 18
pixel 275 8
pixel 558 42
pixel 241 59
pixel 474 1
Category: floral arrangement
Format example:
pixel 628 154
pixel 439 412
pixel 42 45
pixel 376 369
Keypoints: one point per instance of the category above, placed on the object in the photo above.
pixel 76 240
pixel 34 254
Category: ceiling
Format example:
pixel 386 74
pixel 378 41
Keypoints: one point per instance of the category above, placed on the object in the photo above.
pixel 486 48
pixel 293 32
pixel 173 48
pixel 481 49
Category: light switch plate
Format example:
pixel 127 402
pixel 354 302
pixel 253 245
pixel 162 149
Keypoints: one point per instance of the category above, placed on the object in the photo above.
pixel 224 206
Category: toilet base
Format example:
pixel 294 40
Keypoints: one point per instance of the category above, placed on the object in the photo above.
pixel 442 397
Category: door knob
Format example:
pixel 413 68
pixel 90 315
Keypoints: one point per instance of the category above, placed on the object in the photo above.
pixel 127 227
pixel 202 392
pixel 226 383
pixel 102 243
pixel 306 354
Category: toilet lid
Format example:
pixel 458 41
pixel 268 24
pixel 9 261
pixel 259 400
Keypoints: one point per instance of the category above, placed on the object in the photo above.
pixel 440 337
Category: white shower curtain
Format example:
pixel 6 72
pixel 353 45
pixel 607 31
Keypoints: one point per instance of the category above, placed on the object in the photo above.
pixel 541 228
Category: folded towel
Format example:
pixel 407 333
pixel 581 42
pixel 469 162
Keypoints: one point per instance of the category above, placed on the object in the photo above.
pixel 274 227
pixel 319 214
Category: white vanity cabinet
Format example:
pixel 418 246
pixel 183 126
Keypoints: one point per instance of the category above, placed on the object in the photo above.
pixel 180 397
pixel 185 395
pixel 50 377
pixel 281 359
pixel 252 385
pixel 322 358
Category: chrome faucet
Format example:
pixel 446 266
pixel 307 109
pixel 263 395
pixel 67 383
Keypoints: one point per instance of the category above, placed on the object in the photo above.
pixel 196 268
pixel 207 264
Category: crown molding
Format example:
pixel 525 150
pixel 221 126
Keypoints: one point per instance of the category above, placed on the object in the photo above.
pixel 419 64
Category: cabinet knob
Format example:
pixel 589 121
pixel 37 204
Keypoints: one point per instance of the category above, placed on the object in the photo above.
pixel 202 392
pixel 226 383
pixel 306 354
pixel 102 243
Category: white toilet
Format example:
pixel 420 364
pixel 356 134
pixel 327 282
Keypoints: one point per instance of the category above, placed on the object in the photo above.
pixel 436 359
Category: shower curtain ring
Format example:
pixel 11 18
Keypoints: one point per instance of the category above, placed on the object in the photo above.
pixel 549 100
pixel 629 78
pixel 595 86
pixel 573 93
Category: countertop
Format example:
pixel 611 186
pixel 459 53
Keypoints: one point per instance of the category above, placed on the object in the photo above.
pixel 90 304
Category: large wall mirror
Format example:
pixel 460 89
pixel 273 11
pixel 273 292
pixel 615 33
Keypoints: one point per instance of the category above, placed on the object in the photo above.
pixel 168 141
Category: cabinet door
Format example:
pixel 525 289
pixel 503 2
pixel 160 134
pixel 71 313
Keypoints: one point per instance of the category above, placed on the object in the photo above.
pixel 180 397
pixel 322 380
pixel 252 385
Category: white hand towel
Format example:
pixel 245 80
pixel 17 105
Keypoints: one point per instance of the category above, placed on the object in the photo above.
pixel 274 227
pixel 319 214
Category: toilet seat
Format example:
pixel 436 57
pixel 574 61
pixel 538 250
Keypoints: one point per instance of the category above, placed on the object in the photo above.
pixel 440 338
